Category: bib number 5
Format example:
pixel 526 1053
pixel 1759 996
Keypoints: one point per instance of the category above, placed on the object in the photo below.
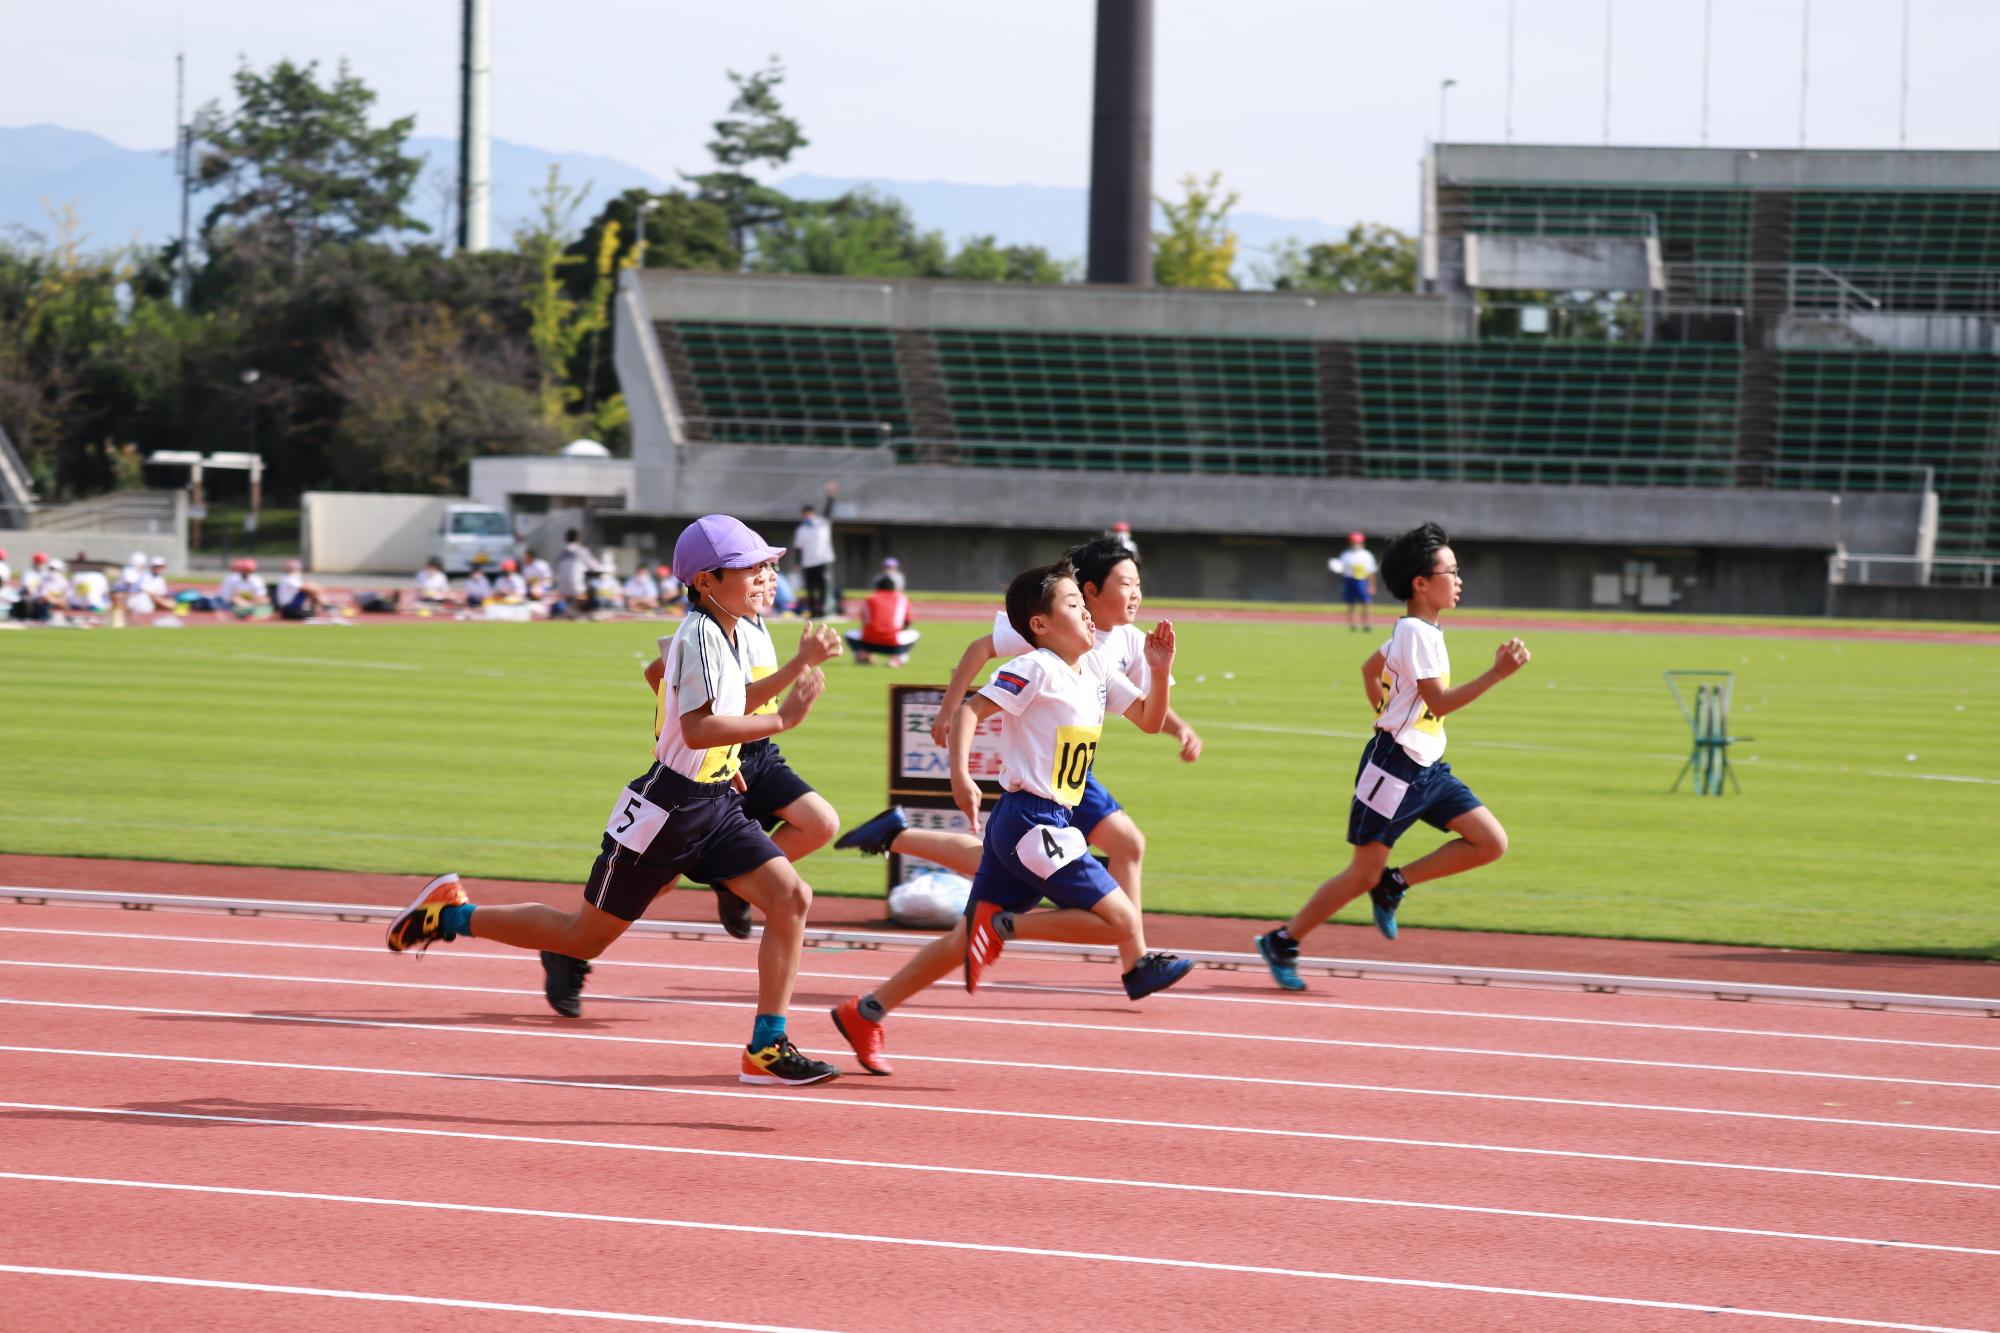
pixel 634 821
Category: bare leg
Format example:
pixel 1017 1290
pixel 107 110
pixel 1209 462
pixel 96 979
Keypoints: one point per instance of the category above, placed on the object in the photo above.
pixel 776 889
pixel 954 851
pixel 1362 872
pixel 810 823
pixel 1480 841
pixel 932 964
pixel 1111 921
pixel 1120 839
pixel 584 933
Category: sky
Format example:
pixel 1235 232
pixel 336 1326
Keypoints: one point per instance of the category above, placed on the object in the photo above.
pixel 1309 108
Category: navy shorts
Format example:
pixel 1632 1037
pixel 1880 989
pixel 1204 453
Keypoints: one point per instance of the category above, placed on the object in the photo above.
pixel 771 784
pixel 1095 805
pixel 1355 590
pixel 706 837
pixel 1435 795
pixel 1011 886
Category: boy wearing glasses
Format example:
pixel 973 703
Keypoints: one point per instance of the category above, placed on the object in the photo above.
pixel 1403 777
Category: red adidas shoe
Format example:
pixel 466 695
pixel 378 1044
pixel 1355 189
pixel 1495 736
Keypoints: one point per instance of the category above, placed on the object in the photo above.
pixel 982 944
pixel 865 1037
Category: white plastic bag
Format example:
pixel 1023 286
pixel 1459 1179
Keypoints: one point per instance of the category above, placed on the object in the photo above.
pixel 934 900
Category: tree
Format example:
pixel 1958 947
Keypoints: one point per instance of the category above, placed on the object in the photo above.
pixel 1197 249
pixel 983 259
pixel 300 161
pixel 558 323
pixel 756 132
pixel 1372 258
pixel 861 233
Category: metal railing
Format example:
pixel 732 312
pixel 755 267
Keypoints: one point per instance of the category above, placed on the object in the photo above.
pixel 790 430
pixel 1852 288
pixel 1850 569
pixel 1525 219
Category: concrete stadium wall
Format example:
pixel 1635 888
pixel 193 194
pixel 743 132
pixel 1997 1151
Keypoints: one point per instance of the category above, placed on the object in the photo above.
pixel 1753 168
pixel 927 303
pixel 110 547
pixel 356 532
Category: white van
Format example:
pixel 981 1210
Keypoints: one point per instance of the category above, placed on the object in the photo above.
pixel 467 531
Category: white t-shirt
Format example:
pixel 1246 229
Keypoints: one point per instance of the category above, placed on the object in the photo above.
pixel 703 667
pixel 1055 717
pixel 812 541
pixel 477 586
pixel 1123 648
pixel 537 570
pixel 89 591
pixel 1415 651
pixel 641 587
pixel 289 586
pixel 240 587
pixel 1356 563
pixel 6 574
pixel 432 584
pixel 510 585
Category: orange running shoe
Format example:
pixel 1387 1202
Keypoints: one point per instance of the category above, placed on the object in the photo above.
pixel 982 944
pixel 418 927
pixel 865 1037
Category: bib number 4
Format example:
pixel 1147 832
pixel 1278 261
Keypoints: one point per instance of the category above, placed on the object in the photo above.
pixel 1044 849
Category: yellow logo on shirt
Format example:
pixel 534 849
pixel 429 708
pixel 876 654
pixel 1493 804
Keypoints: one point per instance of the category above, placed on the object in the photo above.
pixel 719 764
pixel 1076 750
pixel 757 673
pixel 1426 720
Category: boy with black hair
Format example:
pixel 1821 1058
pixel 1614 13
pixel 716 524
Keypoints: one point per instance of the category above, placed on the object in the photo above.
pixel 1402 776
pixel 1107 572
pixel 1055 697
pixel 684 816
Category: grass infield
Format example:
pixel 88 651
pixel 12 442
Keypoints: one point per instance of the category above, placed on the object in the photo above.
pixel 1866 820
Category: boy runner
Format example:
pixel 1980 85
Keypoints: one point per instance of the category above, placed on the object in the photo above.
pixel 684 816
pixel 1356 568
pixel 1055 698
pixel 1402 776
pixel 1107 571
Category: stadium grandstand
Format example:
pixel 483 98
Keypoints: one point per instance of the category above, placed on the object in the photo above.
pixel 1700 379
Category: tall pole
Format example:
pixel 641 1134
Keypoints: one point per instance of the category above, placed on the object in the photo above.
pixel 1510 71
pixel 475 128
pixel 184 155
pixel 1607 71
pixel 1805 62
pixel 1121 146
pixel 1444 86
pixel 1707 48
pixel 1903 97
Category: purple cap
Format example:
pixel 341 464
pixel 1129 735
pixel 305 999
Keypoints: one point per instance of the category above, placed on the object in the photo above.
pixel 717 541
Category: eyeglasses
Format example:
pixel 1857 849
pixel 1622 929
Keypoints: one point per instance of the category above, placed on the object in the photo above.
pixel 1451 573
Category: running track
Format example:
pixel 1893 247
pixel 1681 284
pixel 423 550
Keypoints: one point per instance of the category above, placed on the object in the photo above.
pixel 247 1123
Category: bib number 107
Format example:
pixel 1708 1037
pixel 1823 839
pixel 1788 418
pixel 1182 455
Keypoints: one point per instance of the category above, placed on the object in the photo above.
pixel 1073 763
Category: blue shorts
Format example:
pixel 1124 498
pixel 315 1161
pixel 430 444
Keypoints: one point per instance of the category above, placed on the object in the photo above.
pixel 1005 882
pixel 1095 805
pixel 1355 590
pixel 1435 795
pixel 706 837
pixel 770 783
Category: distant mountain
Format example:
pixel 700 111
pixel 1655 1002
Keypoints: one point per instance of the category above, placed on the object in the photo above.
pixel 1054 217
pixel 127 195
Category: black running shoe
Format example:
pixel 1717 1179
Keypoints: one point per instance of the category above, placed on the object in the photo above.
pixel 782 1062
pixel 733 913
pixel 873 838
pixel 1385 898
pixel 562 982
pixel 1155 972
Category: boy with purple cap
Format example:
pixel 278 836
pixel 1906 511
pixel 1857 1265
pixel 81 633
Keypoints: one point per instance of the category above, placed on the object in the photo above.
pixel 684 815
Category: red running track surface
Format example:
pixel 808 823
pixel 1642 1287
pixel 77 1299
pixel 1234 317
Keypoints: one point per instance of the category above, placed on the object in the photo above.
pixel 250 1123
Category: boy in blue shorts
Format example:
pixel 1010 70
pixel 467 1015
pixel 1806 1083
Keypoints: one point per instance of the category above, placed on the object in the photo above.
pixel 1403 777
pixel 684 815
pixel 1055 698
pixel 1107 571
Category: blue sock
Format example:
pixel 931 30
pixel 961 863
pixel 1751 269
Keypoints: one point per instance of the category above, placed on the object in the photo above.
pixel 770 1030
pixel 456 920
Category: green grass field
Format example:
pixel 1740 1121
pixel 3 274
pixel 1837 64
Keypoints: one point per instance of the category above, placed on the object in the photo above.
pixel 1866 821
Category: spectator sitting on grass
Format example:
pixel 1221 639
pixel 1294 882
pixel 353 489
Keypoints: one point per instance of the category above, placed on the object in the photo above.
pixel 574 566
pixel 89 591
pixel 642 591
pixel 478 588
pixel 606 593
pixel 434 585
pixel 30 602
pixel 510 586
pixel 541 579
pixel 242 591
pixel 885 626
pixel 152 593
pixel 294 597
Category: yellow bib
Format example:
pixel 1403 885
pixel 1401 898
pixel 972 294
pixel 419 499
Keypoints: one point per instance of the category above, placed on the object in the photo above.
pixel 1076 750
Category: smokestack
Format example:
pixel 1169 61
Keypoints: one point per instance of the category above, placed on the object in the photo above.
pixel 475 128
pixel 1121 146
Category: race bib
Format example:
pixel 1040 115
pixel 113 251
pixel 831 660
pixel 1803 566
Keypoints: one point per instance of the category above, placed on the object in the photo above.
pixel 1380 791
pixel 1076 750
pixel 1046 849
pixel 634 821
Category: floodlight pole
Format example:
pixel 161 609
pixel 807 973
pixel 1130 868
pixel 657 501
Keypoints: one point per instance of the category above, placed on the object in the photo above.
pixel 1444 87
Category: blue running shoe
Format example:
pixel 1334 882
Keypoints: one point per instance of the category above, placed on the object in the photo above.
pixel 1385 898
pixel 873 838
pixel 1155 972
pixel 1283 961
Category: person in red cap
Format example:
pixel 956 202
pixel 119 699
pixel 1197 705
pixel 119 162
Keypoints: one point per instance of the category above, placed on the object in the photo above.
pixel 684 815
pixel 510 586
pixel 31 601
pixel 1356 569
pixel 1121 532
pixel 242 591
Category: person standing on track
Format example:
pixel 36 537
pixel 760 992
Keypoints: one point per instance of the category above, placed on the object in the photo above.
pixel 1055 698
pixel 1356 568
pixel 1402 776
pixel 1108 572
pixel 812 544
pixel 684 816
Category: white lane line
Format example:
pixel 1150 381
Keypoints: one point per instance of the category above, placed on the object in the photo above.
pixel 1343 1043
pixel 973 1247
pixel 275 1289
pixel 830 1098
pixel 553 1033
pixel 1176 996
pixel 795 1159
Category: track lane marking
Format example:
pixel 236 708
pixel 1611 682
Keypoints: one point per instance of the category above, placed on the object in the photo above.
pixel 1121 1030
pixel 964 1247
pixel 272 1288
pixel 1176 996
pixel 831 1099
pixel 1237 1191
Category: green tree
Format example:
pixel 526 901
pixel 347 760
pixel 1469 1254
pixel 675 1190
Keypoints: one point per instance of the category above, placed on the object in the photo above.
pixel 1197 249
pixel 861 233
pixel 983 259
pixel 757 132
pixel 558 323
pixel 1371 258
